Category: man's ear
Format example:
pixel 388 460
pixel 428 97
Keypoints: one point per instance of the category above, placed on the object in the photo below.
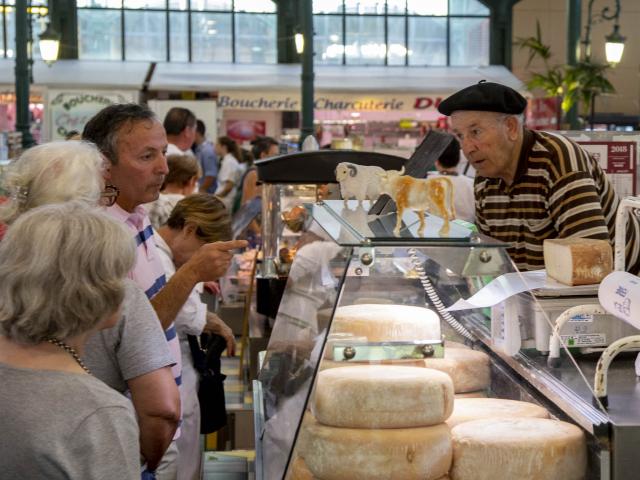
pixel 512 124
pixel 189 228
pixel 106 173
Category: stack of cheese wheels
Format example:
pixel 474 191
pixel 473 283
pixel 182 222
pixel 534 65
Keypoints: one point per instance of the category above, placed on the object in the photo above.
pixel 469 369
pixel 379 422
pixel 469 409
pixel 518 448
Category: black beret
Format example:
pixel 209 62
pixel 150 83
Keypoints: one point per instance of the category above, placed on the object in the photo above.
pixel 484 96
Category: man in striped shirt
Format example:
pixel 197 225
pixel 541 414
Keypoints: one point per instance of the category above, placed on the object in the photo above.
pixel 135 144
pixel 531 185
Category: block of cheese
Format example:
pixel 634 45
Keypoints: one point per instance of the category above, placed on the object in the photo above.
pixel 404 362
pixel 469 369
pixel 357 454
pixel 299 470
pixel 469 409
pixel 476 394
pixel 382 396
pixel 577 261
pixel 522 448
pixel 379 323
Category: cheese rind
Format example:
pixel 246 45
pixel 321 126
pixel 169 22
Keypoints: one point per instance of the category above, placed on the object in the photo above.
pixel 577 261
pixel 469 409
pixel 382 397
pixel 379 322
pixel 476 394
pixel 469 369
pixel 299 470
pixel 522 448
pixel 393 454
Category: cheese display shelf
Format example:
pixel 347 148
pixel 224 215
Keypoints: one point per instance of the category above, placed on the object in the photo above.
pixel 367 376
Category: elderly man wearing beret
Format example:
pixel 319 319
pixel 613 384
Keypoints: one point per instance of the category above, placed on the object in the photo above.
pixel 531 185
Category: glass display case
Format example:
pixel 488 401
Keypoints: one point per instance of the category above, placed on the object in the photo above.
pixel 343 392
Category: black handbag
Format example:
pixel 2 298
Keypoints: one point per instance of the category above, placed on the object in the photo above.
pixel 206 360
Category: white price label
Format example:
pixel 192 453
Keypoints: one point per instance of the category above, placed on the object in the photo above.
pixel 581 318
pixel 585 340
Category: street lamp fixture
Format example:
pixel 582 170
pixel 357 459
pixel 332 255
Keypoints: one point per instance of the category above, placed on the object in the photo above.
pixel 615 45
pixel 299 39
pixel 49 45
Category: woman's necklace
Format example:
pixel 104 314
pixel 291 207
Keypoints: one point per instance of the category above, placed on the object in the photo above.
pixel 71 351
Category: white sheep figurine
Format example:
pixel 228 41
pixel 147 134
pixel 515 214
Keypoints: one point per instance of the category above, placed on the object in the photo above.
pixel 359 181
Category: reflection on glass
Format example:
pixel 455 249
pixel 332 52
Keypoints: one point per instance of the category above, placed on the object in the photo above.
pixel 211 37
pixel 364 6
pixel 467 7
pixel 427 41
pixel 145 35
pixel 256 38
pixel 266 6
pixel 178 42
pixel 469 41
pixel 327 6
pixel 99 35
pixel 100 3
pixel 364 40
pixel 396 50
pixel 432 7
pixel 328 39
pixel 211 5
pixel 145 3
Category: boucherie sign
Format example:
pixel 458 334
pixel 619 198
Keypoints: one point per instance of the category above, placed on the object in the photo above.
pixel 368 102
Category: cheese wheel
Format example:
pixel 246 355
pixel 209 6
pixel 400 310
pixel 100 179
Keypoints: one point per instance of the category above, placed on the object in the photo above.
pixel 477 394
pixel 404 362
pixel 577 261
pixel 393 454
pixel 469 369
pixel 382 396
pixel 380 323
pixel 469 409
pixel 299 470
pixel 522 448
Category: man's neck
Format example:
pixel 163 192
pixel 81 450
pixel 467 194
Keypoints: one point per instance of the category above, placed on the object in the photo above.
pixel 178 142
pixel 515 159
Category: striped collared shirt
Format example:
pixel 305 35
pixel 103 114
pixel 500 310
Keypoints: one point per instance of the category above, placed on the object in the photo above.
pixel 559 191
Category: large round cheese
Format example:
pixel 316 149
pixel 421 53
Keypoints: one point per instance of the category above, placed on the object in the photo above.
pixel 393 454
pixel 518 448
pixel 299 470
pixel 469 369
pixel 476 394
pixel 382 396
pixel 469 409
pixel 326 364
pixel 379 323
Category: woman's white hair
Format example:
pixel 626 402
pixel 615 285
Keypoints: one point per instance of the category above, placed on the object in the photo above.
pixel 53 173
pixel 62 271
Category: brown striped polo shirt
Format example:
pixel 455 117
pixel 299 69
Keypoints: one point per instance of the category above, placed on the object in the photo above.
pixel 559 191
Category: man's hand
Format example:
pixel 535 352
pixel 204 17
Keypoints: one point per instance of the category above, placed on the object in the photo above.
pixel 212 260
pixel 216 326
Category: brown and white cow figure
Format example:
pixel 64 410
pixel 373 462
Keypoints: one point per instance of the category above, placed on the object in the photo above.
pixel 434 195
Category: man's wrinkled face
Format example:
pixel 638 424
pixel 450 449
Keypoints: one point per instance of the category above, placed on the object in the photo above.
pixel 142 163
pixel 486 141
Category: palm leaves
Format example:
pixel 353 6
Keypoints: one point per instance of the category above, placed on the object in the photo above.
pixel 578 83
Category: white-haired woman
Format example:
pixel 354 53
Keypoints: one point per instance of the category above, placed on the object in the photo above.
pixel 58 421
pixel 133 356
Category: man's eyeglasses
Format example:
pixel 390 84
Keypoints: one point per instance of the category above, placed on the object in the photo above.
pixel 109 195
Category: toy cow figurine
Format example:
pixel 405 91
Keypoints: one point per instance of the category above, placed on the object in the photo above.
pixel 434 195
pixel 359 181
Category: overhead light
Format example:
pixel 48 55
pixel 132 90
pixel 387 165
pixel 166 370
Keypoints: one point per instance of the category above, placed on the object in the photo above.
pixel 299 39
pixel 49 45
pixel 614 46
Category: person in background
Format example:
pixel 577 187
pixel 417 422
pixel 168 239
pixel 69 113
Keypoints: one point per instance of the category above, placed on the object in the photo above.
pixel 463 199
pixel 230 171
pixel 134 142
pixel 196 220
pixel 262 147
pixel 206 155
pixel 532 185
pixel 182 180
pixel 58 421
pixel 180 126
pixel 133 356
